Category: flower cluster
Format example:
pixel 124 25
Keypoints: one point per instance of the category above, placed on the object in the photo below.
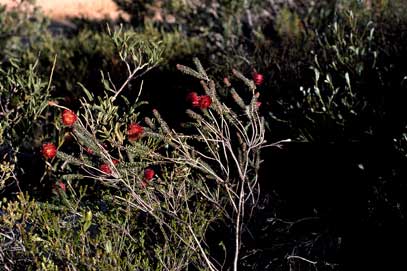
pixel 69 117
pixel 59 186
pixel 134 131
pixel 258 78
pixel 88 150
pixel 149 174
pixel 49 150
pixel 105 167
pixel 203 101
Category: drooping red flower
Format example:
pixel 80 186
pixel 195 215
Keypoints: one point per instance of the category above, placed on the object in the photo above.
pixel 258 78
pixel 105 168
pixel 149 174
pixel 205 102
pixel 69 117
pixel 49 150
pixel 194 99
pixel 134 131
pixel 258 104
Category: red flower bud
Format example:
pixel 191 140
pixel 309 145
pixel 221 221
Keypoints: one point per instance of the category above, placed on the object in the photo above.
pixel 258 78
pixel 105 168
pixel 149 174
pixel 194 99
pixel 59 185
pixel 134 131
pixel 69 117
pixel 88 150
pixel 205 102
pixel 49 150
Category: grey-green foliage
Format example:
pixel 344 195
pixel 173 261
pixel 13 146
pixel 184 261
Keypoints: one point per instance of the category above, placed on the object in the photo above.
pixel 136 51
pixel 45 236
pixel 24 91
pixel 24 99
pixel 18 29
pixel 346 51
pixel 110 112
pixel 86 52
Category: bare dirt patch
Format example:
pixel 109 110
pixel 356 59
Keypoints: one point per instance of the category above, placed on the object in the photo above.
pixel 66 9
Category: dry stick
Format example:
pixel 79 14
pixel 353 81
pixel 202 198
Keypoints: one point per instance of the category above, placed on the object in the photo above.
pixel 257 133
pixel 190 161
pixel 52 73
pixel 215 155
pixel 301 258
pixel 243 172
pixel 129 78
pixel 238 228
pixel 208 262
pixel 220 133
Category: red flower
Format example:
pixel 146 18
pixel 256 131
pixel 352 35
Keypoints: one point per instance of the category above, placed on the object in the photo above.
pixel 49 150
pixel 134 131
pixel 258 104
pixel 105 168
pixel 88 150
pixel 258 78
pixel 149 174
pixel 194 99
pixel 69 117
pixel 205 102
pixel 59 185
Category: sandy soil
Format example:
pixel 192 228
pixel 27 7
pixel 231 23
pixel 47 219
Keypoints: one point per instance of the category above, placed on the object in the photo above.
pixel 65 9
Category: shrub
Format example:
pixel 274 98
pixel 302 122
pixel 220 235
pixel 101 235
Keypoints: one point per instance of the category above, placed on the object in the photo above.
pixel 178 184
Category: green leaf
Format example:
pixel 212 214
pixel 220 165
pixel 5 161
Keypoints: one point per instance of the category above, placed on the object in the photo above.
pixel 108 246
pixel 86 91
pixel 88 221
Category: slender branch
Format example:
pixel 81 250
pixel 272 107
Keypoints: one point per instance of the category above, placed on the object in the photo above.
pixel 302 259
pixel 129 78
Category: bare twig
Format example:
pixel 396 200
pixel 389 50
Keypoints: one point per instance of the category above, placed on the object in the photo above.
pixel 292 257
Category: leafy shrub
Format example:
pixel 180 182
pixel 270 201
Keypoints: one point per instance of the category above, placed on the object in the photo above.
pixel 193 187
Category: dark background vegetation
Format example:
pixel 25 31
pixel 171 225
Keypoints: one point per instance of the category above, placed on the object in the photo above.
pixel 335 195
